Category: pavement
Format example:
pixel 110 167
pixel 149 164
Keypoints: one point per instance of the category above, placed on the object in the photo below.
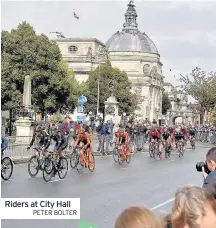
pixel 110 188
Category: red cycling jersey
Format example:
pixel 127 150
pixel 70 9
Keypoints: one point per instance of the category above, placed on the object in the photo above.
pixel 154 134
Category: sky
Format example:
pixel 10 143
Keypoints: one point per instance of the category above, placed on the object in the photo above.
pixel 184 32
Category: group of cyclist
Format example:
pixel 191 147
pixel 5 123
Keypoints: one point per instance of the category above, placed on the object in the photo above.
pixel 83 137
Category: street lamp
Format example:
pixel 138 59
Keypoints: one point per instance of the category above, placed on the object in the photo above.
pixel 102 55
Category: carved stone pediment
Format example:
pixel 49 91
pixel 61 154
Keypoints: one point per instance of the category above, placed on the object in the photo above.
pixel 110 110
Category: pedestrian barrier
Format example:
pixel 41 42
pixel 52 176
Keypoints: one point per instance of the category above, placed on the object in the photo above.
pixel 206 136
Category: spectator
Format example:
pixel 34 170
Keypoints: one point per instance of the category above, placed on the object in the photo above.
pixel 211 163
pixel 209 220
pixel 188 209
pixel 137 217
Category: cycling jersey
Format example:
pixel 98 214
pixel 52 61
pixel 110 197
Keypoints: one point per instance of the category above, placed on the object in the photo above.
pixel 154 134
pixel 84 138
pixel 122 137
pixel 192 132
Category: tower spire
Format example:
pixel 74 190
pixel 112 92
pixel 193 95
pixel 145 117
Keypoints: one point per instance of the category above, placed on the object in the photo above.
pixel 130 17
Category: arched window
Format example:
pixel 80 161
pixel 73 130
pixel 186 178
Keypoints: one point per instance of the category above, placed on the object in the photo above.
pixel 72 49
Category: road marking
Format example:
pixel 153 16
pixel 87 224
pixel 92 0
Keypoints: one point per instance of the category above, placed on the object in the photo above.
pixel 56 180
pixel 162 204
pixel 164 212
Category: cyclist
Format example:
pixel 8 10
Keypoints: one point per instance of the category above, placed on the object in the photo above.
pixel 154 135
pixel 40 136
pixel 192 133
pixel 179 136
pixel 83 138
pixel 4 143
pixel 167 137
pixel 122 137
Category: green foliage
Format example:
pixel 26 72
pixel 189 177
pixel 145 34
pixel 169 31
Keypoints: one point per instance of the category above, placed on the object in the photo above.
pixel 127 100
pixel 166 104
pixel 26 53
pixel 57 117
pixel 213 115
pixel 201 86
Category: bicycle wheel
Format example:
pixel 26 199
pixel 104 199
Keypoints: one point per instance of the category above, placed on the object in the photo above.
pixel 115 154
pixel 36 166
pixel 91 165
pixel 180 150
pixel 193 144
pixel 120 159
pixel 167 151
pixel 73 159
pixel 151 151
pixel 49 169
pixel 128 159
pixel 62 166
pixel 80 166
pixel 6 164
pixel 155 151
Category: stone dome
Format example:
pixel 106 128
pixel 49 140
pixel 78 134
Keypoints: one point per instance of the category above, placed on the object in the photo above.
pixel 130 38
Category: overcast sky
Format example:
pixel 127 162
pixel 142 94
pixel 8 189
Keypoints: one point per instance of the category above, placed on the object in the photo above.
pixel 184 32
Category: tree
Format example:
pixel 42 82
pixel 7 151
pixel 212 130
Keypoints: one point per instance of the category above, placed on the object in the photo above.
pixel 122 89
pixel 166 104
pixel 201 86
pixel 213 115
pixel 26 53
pixel 76 89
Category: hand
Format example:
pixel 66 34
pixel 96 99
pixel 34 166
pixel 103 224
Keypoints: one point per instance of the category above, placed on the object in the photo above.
pixel 204 173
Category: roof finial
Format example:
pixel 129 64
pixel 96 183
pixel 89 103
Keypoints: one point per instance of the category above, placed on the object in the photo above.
pixel 130 17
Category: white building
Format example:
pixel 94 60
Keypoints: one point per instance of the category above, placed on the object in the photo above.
pixel 129 50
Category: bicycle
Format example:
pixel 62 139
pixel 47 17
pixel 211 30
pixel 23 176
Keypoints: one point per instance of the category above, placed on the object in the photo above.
pixel 83 161
pixel 121 157
pixel 6 163
pixel 53 166
pixel 180 146
pixel 38 160
pixel 74 158
pixel 154 150
pixel 167 149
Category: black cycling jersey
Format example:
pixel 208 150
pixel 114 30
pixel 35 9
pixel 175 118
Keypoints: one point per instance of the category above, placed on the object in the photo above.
pixel 192 132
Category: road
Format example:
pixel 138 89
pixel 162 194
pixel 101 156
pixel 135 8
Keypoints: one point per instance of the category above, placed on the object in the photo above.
pixel 111 188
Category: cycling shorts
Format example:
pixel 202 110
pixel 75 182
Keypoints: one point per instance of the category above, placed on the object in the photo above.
pixel 156 138
pixel 179 137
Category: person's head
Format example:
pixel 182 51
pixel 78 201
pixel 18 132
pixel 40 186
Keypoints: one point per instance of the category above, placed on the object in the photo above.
pixel 194 207
pixel 81 132
pixel 211 159
pixel 137 217
pixel 188 207
pixel 121 132
pixel 209 220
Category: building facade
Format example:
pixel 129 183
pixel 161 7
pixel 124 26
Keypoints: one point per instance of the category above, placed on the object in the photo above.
pixel 129 50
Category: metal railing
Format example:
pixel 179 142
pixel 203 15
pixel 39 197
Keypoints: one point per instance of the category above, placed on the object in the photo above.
pixel 206 136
